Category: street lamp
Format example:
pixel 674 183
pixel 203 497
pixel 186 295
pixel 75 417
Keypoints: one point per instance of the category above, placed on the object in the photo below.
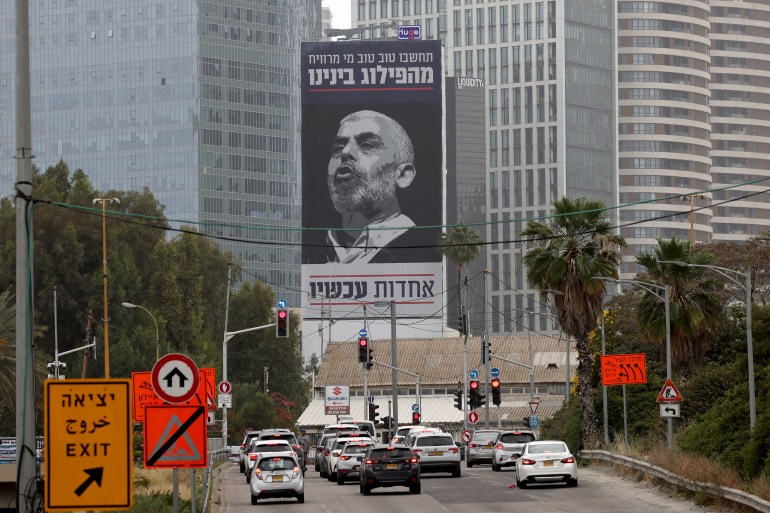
pixel 104 202
pixel 692 197
pixel 749 337
pixel 666 298
pixel 157 338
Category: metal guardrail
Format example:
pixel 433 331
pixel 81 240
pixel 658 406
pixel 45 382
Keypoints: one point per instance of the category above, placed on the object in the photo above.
pixel 730 494
pixel 215 457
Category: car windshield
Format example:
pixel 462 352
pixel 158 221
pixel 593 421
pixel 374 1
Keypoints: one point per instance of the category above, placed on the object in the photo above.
pixel 402 431
pixel 355 449
pixel 425 441
pixel 274 464
pixel 516 438
pixel 382 454
pixel 545 448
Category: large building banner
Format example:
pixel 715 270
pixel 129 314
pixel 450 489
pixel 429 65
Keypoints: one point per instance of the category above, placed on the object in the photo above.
pixel 372 168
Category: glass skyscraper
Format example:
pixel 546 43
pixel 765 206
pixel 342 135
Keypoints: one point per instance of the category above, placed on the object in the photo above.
pixel 197 101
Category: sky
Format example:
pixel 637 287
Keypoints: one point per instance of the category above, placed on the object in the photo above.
pixel 340 12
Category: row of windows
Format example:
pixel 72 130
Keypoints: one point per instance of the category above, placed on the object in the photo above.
pixel 672 113
pixel 635 93
pixel 247 71
pixel 516 194
pixel 663 7
pixel 664 129
pixel 540 151
pixel 486 23
pixel 519 63
pixel 393 8
pixel 662 42
pixel 665 146
pixel 529 107
pixel 652 59
pixel 663 25
pixel 246 96
pixel 663 77
pixel 246 118
pixel 246 141
pixel 658 163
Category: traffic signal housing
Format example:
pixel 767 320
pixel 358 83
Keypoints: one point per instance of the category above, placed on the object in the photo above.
pixel 363 349
pixel 473 394
pixel 370 357
pixel 373 413
pixel 496 399
pixel 416 418
pixel 282 323
pixel 459 399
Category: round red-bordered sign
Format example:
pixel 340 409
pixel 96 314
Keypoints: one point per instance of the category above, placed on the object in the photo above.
pixel 175 378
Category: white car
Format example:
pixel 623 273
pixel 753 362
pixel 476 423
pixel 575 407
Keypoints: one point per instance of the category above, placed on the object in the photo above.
pixel 404 431
pixel 334 453
pixel 508 448
pixel 546 461
pixel 437 452
pixel 351 457
pixel 277 476
pixel 259 448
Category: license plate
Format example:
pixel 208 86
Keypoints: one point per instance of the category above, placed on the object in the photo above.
pixel 277 479
pixel 356 468
pixel 548 463
pixel 435 453
pixel 391 466
pixel 487 447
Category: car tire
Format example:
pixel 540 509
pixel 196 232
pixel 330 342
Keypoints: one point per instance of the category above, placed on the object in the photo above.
pixel 301 498
pixel 248 478
pixel 468 464
pixel 254 499
pixel 242 467
pixel 521 484
pixel 457 472
pixel 415 489
pixel 495 468
pixel 572 483
pixel 340 479
pixel 360 487
pixel 367 490
pixel 333 477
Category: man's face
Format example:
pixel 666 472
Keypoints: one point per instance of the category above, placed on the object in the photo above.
pixel 363 168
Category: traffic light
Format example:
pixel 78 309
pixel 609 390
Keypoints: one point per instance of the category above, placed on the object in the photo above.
pixel 463 325
pixel 526 422
pixel 373 413
pixel 386 422
pixel 363 349
pixel 282 324
pixel 473 395
pixel 484 350
pixel 459 399
pixel 370 357
pixel 496 400
pixel 416 418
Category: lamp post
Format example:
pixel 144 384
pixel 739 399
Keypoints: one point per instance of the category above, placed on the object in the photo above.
pixel 104 202
pixel 666 298
pixel 157 337
pixel 746 286
pixel 692 197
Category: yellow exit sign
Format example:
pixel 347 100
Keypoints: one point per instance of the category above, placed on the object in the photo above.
pixel 88 445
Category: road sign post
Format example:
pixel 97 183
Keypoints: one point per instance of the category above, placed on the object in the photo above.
pixel 88 448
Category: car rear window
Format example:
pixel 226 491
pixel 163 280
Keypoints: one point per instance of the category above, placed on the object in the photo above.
pixel 425 441
pixel 277 463
pixel 381 454
pixel 338 429
pixel 544 448
pixel 271 448
pixel 517 438
pixel 356 448
pixel 484 436
pixel 289 437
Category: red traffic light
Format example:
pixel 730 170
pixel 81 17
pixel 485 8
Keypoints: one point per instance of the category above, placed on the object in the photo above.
pixel 362 342
pixel 495 383
pixel 474 385
pixel 282 314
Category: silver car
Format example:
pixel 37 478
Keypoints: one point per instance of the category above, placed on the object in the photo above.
pixel 481 447
pixel 508 448
pixel 437 453
pixel 351 457
pixel 277 476
pixel 261 448
pixel 547 461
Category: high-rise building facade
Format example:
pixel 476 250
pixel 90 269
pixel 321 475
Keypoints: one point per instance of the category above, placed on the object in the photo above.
pixel 550 129
pixel 197 101
pixel 694 100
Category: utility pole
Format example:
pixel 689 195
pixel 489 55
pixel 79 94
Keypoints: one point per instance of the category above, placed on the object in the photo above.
pixel 25 370
pixel 224 354
pixel 394 366
pixel 485 352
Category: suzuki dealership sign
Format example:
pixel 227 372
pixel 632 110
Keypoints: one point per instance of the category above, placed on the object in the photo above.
pixel 337 400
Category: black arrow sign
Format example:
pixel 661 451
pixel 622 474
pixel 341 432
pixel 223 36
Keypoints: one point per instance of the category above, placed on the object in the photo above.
pixel 169 378
pixel 641 372
pixel 669 410
pixel 94 476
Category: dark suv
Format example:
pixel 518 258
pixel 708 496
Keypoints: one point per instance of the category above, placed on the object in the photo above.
pixel 285 434
pixel 389 465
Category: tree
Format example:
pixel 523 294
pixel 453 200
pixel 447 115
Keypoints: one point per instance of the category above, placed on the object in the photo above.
pixel 695 308
pixel 461 246
pixel 576 245
pixel 751 255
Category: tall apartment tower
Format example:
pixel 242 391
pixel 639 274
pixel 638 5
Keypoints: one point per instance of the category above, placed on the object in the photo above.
pixel 694 111
pixel 197 101
pixel 548 67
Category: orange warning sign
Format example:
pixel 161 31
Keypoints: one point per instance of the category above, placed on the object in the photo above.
pixel 624 369
pixel 144 395
pixel 669 393
pixel 175 437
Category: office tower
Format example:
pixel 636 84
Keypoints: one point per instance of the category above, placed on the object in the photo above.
pixel 693 115
pixel 326 22
pixel 550 129
pixel 197 101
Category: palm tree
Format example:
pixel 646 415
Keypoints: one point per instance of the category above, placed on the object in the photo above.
pixel 695 307
pixel 7 348
pixel 461 246
pixel 567 252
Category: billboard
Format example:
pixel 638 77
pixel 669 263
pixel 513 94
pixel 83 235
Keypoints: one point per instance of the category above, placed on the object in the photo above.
pixel 372 176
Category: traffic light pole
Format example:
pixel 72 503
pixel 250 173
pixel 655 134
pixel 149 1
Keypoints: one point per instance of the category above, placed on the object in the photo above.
pixel 531 374
pixel 366 392
pixel 417 383
pixel 465 377
pixel 485 353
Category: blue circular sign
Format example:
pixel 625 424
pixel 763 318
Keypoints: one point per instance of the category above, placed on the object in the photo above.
pixel 363 333
pixel 415 407
pixel 494 372
pixel 371 399
pixel 281 303
pixel 474 374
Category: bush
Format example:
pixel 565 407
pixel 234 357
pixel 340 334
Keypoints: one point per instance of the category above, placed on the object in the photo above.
pixel 565 425
pixel 158 502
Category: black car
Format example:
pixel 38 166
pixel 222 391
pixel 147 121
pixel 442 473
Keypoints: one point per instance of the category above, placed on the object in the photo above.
pixel 390 465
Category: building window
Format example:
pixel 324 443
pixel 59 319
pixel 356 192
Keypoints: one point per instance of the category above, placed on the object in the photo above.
pixel 503 23
pixel 493 148
pixel 480 39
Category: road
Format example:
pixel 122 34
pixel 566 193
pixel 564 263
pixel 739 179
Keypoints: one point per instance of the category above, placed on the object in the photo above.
pixel 479 490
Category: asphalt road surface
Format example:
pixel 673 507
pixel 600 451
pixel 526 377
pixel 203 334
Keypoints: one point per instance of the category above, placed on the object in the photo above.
pixel 479 490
